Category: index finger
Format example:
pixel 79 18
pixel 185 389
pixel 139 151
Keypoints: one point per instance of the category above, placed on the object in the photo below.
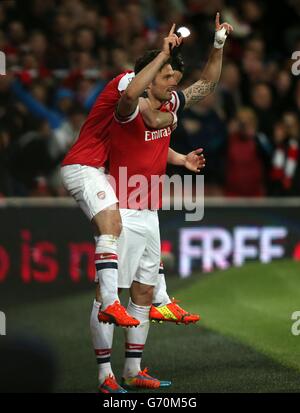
pixel 218 21
pixel 172 29
pixel 198 151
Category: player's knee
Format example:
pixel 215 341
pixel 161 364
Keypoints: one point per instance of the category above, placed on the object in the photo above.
pixel 108 222
pixel 114 227
pixel 118 228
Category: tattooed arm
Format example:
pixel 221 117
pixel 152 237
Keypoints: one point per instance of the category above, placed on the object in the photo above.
pixel 212 71
pixel 199 91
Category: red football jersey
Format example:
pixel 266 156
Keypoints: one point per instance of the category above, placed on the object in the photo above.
pixel 93 144
pixel 138 158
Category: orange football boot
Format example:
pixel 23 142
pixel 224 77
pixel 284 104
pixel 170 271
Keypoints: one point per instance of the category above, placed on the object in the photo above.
pixel 144 381
pixel 173 313
pixel 111 386
pixel 117 314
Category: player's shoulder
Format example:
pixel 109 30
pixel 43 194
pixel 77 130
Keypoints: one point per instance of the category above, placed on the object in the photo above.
pixel 116 85
pixel 124 79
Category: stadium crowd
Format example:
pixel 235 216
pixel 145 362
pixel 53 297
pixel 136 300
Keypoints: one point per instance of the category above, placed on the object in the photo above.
pixel 61 53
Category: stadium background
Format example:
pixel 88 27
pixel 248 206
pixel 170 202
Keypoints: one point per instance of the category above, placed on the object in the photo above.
pixel 59 56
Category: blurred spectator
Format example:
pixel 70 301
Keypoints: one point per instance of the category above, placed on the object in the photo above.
pixel 202 127
pixel 60 54
pixel 36 102
pixel 229 90
pixel 297 97
pixel 262 102
pixel 30 157
pixel 283 90
pixel 247 157
pixel 285 171
pixel 6 187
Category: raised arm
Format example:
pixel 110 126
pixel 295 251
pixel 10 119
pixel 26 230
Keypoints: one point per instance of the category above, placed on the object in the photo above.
pixel 212 71
pixel 129 99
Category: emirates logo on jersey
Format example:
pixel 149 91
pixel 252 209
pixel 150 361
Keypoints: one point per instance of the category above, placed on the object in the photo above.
pixel 158 134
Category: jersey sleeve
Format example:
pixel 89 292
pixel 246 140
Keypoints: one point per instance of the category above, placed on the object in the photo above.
pixel 122 85
pixel 129 118
pixel 177 102
pixel 124 81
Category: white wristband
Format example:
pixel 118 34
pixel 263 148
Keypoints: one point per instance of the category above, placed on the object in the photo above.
pixel 220 37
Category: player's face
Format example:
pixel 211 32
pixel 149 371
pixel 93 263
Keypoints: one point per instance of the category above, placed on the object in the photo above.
pixel 178 76
pixel 163 84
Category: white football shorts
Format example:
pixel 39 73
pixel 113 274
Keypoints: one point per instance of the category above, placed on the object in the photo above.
pixel 89 187
pixel 138 248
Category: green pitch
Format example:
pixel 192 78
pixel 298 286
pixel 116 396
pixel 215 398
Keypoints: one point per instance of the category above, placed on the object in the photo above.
pixel 242 344
pixel 254 305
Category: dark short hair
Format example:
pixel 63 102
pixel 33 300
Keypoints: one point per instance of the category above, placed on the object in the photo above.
pixel 146 59
pixel 175 61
